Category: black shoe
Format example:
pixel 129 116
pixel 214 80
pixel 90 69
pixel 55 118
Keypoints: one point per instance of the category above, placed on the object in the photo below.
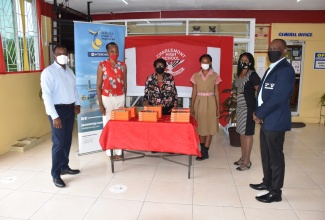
pixel 69 171
pixel 268 198
pixel 201 158
pixel 260 186
pixel 58 182
pixel 204 153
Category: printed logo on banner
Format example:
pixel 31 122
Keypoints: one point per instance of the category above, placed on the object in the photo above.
pixel 96 43
pixel 174 57
pixel 100 36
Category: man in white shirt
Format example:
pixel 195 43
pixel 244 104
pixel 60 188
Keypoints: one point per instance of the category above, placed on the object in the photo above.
pixel 61 102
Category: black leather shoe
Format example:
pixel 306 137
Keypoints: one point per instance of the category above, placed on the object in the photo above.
pixel 260 186
pixel 69 171
pixel 268 198
pixel 58 182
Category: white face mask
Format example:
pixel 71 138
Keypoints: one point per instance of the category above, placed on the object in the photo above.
pixel 62 59
pixel 205 66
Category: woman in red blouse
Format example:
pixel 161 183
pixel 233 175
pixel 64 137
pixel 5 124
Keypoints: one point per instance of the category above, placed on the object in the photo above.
pixel 111 86
pixel 160 88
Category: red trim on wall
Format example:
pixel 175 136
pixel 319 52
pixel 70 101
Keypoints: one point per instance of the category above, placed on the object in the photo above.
pixel 20 72
pixel 261 16
pixel 2 57
pixel 38 6
pixel 46 8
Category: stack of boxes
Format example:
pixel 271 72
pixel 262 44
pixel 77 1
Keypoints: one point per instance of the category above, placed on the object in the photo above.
pixel 180 115
pixel 121 114
pixel 148 115
pixel 158 109
pixel 133 110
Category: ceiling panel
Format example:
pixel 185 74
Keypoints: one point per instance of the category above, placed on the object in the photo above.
pixel 117 6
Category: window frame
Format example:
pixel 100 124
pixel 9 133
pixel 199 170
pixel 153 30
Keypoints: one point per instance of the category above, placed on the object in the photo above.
pixel 15 64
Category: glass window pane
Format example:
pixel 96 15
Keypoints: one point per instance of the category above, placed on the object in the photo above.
pixel 13 33
pixel 156 27
pixel 237 29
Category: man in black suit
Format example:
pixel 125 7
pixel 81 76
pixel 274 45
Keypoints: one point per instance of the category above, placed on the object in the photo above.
pixel 274 114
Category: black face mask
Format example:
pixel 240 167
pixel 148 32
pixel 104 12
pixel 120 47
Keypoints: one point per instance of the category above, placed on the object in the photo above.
pixel 274 55
pixel 160 70
pixel 243 65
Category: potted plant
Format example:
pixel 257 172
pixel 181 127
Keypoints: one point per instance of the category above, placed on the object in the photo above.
pixel 322 99
pixel 228 113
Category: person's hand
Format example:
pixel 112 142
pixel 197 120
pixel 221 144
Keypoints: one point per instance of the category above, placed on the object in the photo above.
pixel 77 109
pixel 57 123
pixel 218 114
pixel 192 112
pixel 256 119
pixel 102 109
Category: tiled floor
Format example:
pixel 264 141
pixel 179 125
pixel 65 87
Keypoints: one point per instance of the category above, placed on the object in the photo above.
pixel 158 189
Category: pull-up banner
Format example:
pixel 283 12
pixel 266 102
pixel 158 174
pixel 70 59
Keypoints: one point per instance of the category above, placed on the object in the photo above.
pixel 90 49
pixel 182 54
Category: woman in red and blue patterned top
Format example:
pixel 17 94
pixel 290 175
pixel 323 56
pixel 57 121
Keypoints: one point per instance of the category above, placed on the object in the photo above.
pixel 160 88
pixel 111 86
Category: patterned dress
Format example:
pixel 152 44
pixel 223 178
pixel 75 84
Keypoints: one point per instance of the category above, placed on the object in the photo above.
pixel 205 108
pixel 113 81
pixel 246 102
pixel 165 94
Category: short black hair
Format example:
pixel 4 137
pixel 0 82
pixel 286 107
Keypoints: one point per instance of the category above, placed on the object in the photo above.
pixel 111 44
pixel 251 61
pixel 58 46
pixel 283 42
pixel 206 56
pixel 160 60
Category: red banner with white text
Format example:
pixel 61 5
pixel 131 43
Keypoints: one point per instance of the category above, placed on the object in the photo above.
pixel 182 54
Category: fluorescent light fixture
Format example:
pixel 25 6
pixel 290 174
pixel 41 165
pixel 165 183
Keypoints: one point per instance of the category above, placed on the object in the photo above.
pixel 147 23
pixel 298 0
pixel 125 1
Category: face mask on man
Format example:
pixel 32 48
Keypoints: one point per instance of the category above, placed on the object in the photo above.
pixel 62 59
pixel 113 56
pixel 274 55
pixel 205 66
pixel 160 70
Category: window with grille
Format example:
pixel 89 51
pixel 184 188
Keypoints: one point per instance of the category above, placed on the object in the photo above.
pixel 19 35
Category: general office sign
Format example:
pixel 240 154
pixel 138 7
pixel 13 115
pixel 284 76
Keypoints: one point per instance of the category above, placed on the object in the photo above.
pixel 295 34
pixel 319 63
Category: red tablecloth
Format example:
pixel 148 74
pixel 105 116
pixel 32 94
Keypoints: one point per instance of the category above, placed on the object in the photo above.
pixel 161 136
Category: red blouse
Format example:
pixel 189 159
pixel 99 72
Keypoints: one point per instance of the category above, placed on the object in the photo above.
pixel 113 81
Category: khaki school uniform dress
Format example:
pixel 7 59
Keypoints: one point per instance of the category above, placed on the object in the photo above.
pixel 205 103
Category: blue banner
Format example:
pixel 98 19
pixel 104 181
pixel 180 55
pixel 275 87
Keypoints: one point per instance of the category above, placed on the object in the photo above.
pixel 90 49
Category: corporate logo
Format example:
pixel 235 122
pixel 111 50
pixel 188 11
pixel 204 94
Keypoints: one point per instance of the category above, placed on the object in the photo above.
pixel 100 36
pixel 96 42
pixel 174 58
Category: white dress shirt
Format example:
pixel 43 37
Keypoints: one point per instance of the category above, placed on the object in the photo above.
pixel 58 87
pixel 259 98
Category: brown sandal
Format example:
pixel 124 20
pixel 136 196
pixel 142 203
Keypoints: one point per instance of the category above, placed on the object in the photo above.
pixel 116 157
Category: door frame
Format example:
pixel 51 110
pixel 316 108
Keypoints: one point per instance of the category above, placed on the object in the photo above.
pixel 303 44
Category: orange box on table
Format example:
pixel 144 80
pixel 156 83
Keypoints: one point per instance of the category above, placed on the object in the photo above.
pixel 133 110
pixel 148 115
pixel 121 114
pixel 155 108
pixel 180 115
